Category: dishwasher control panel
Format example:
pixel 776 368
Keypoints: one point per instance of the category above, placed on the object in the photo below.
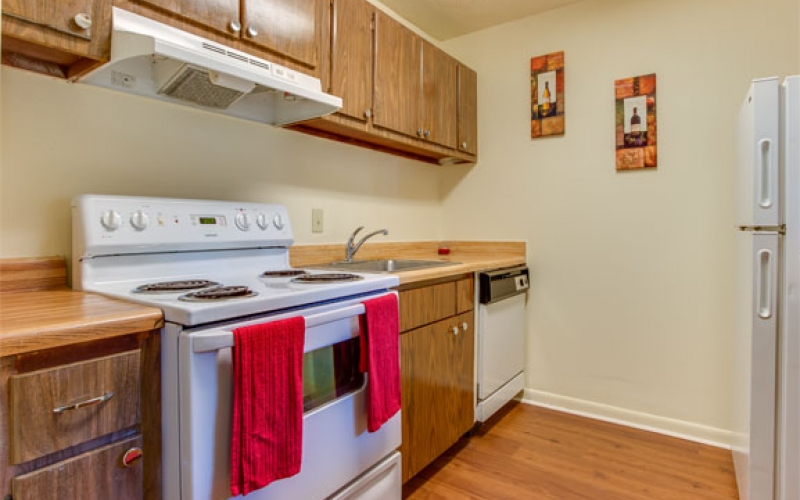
pixel 502 283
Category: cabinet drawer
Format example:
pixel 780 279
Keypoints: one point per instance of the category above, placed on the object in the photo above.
pixel 96 475
pixel 56 408
pixel 421 306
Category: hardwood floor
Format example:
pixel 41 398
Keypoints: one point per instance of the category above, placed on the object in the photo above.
pixel 533 453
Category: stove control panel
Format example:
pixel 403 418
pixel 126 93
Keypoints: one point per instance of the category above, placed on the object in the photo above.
pixel 106 225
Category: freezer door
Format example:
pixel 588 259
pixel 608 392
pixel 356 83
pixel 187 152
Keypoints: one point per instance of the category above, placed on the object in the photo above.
pixel 789 384
pixel 755 366
pixel 759 199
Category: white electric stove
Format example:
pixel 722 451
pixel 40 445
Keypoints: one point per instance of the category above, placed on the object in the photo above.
pixel 213 266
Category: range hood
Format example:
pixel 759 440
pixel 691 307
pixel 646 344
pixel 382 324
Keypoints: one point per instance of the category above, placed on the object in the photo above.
pixel 158 61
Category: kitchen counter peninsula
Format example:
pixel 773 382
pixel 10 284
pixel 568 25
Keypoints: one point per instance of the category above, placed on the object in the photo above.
pixel 38 311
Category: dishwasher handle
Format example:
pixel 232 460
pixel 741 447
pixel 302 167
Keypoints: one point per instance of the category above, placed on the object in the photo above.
pixel 501 284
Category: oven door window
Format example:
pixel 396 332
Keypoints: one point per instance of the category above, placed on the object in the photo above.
pixel 330 373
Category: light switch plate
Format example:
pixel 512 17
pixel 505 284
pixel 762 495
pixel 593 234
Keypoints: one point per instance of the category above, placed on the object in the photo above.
pixel 316 220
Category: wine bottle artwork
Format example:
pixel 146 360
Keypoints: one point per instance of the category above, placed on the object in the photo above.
pixel 636 128
pixel 547 95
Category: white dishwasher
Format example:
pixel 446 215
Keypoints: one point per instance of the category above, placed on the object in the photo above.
pixel 501 338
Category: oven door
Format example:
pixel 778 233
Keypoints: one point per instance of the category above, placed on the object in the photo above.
pixel 337 448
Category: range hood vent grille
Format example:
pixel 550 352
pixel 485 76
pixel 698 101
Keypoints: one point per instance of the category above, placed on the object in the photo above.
pixel 194 85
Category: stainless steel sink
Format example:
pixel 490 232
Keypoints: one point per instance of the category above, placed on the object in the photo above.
pixel 384 265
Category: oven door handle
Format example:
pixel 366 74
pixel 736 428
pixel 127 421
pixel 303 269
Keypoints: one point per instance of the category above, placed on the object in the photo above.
pixel 221 339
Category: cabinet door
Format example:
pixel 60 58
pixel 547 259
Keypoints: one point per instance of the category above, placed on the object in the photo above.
pixel 467 110
pixel 351 57
pixel 437 389
pixel 62 15
pixel 288 27
pixel 221 15
pixel 439 99
pixel 96 475
pixel 397 77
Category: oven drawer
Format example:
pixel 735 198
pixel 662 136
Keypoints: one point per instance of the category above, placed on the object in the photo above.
pixel 97 474
pixel 56 408
pixel 382 482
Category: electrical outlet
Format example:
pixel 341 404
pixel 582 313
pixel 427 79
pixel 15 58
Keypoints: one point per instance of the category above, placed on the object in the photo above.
pixel 316 220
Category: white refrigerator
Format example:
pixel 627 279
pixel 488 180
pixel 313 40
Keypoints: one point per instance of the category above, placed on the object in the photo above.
pixel 766 416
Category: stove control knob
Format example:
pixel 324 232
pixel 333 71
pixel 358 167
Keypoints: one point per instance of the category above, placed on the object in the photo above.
pixel 262 221
pixel 278 222
pixel 242 221
pixel 111 220
pixel 140 220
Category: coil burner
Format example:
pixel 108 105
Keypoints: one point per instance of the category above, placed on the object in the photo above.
pixel 327 278
pixel 175 286
pixel 287 273
pixel 219 293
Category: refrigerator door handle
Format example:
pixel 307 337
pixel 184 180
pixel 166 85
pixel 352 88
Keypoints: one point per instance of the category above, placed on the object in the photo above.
pixel 765 173
pixel 764 284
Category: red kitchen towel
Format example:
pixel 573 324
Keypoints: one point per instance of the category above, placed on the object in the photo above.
pixel 380 359
pixel 267 430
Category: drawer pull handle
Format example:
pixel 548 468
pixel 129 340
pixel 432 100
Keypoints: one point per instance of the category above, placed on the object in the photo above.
pixel 82 404
pixel 131 457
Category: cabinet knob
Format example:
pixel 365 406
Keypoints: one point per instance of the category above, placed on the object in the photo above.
pixel 464 145
pixel 419 132
pixel 464 326
pixel 427 134
pixel 131 456
pixel 252 31
pixel 368 113
pixel 235 26
pixel 455 330
pixel 82 20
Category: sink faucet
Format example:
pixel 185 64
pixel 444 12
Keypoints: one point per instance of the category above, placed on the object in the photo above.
pixel 351 249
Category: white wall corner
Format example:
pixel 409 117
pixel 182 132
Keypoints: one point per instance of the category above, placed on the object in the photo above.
pixel 682 429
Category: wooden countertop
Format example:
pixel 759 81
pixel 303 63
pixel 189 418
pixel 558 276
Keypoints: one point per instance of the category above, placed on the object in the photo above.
pixel 38 311
pixel 471 256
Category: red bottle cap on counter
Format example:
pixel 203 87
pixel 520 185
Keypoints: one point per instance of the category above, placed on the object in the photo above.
pixel 444 251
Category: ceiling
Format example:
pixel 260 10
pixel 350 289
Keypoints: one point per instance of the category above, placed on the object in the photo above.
pixel 445 19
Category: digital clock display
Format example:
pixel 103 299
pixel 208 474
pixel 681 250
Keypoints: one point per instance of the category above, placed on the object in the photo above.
pixel 207 220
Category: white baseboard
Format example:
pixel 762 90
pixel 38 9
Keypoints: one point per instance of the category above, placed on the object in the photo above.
pixel 711 436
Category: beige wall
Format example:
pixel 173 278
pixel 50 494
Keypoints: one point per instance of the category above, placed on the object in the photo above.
pixel 630 313
pixel 62 139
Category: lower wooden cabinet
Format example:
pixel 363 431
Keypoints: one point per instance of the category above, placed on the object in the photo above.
pixel 437 370
pixel 437 378
pixel 99 474
pixel 82 421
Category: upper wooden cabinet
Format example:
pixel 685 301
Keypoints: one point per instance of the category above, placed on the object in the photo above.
pixel 290 28
pixel 58 38
pixel 73 17
pixel 351 57
pixel 415 84
pixel 400 93
pixel 222 15
pixel 439 103
pixel 397 77
pixel 467 110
